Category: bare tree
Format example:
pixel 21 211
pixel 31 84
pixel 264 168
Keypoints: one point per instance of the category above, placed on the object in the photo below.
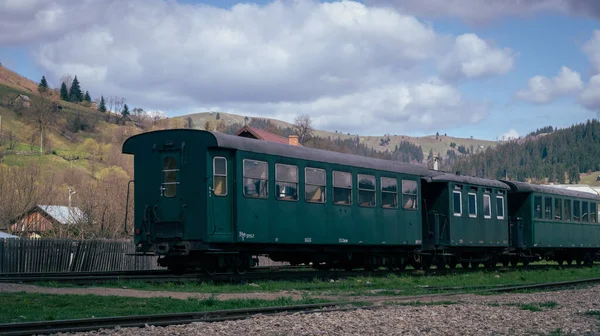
pixel 68 80
pixel 43 115
pixel 189 123
pixel 304 127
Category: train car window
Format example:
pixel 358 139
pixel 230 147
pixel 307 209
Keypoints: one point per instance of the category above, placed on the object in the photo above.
pixel 314 185
pixel 472 205
pixel 169 185
pixel 567 208
pixel 593 212
pixel 487 206
pixel 558 209
pixel 366 190
pixel 548 207
pixel 500 207
pixel 342 188
pixel 537 207
pixel 286 182
pixel 410 195
pixel 576 211
pixel 219 176
pixel 457 201
pixel 389 193
pixel 256 177
pixel 585 215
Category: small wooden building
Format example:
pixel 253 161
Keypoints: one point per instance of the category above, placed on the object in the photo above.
pixel 255 133
pixel 42 219
pixel 22 101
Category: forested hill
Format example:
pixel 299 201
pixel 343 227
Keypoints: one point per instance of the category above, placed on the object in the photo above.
pixel 559 156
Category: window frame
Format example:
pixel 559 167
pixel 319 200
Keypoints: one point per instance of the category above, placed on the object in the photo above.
pixel 254 178
pixel 395 193
pixel 546 206
pixel 333 173
pixel 324 186
pixel 500 197
pixel 278 180
pixel 416 203
pixel 373 191
pixel 577 210
pixel 558 209
pixel 567 210
pixel 489 198
pixel 469 204
pixel 593 212
pixel 220 175
pixel 541 203
pixel 459 193
pixel 164 178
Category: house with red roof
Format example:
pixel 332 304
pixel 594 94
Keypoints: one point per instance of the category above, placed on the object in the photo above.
pixel 255 133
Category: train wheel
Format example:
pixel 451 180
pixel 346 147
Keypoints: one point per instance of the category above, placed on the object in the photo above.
pixel 464 264
pixel 452 263
pixel 177 270
pixel 440 263
pixel 474 265
pixel 505 262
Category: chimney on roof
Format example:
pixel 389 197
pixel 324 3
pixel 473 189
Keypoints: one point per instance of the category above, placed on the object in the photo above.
pixel 293 140
pixel 436 161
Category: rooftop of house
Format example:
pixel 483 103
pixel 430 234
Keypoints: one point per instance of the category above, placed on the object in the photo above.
pixel 267 136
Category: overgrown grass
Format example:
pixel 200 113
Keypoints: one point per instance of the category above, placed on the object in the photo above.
pixel 22 307
pixel 384 285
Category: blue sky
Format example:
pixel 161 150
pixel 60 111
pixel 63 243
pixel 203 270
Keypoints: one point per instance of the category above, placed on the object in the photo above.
pixel 350 65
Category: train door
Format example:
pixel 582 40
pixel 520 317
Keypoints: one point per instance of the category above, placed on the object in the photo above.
pixel 221 196
pixel 169 209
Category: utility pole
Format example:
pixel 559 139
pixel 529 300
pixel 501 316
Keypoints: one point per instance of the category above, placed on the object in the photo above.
pixel 71 192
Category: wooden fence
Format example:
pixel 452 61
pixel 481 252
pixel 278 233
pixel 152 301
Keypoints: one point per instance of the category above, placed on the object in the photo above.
pixel 66 255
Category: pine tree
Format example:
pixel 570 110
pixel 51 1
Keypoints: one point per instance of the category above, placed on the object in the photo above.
pixel 87 97
pixel 102 106
pixel 43 86
pixel 64 93
pixel 125 111
pixel 75 94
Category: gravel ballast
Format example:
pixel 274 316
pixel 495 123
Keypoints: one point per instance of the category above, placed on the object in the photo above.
pixel 543 313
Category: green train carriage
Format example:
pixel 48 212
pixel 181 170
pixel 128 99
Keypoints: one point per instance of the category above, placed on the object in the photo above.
pixel 464 220
pixel 213 201
pixel 554 223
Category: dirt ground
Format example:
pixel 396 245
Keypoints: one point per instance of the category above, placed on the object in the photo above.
pixel 104 291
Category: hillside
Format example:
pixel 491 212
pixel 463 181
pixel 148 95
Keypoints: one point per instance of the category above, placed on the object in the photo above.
pixel 49 145
pixel 561 156
pixel 440 145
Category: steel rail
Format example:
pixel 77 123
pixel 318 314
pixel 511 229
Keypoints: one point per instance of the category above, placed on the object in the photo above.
pixel 87 324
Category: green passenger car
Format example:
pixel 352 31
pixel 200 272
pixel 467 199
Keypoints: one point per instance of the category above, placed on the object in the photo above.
pixel 464 219
pixel 212 200
pixel 558 224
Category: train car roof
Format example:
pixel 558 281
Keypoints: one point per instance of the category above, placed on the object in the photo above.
pixel 313 154
pixel 529 188
pixel 435 176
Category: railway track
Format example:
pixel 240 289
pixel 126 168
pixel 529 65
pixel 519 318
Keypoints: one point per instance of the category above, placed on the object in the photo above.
pixel 88 324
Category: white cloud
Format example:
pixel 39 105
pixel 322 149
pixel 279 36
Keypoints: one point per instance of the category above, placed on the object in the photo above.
pixel 543 90
pixel 343 62
pixel 480 11
pixel 590 96
pixel 472 57
pixel 511 134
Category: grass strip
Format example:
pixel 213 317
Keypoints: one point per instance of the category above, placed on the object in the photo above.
pixel 376 286
pixel 25 307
